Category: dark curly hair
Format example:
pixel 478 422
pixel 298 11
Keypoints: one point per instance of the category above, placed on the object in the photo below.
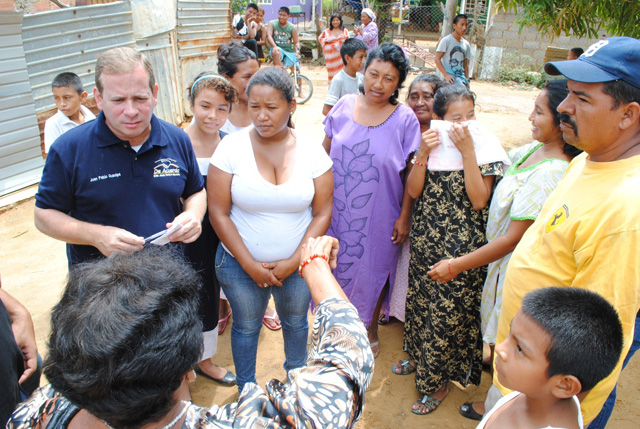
pixel 230 55
pixel 391 53
pixel 215 82
pixel 124 335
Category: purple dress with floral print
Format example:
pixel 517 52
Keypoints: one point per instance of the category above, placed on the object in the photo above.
pixel 368 171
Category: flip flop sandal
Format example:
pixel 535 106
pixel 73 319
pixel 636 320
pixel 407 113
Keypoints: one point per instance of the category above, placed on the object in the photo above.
pixel 430 403
pixel 375 353
pixel 466 410
pixel 275 326
pixel 383 320
pixel 222 323
pixel 405 366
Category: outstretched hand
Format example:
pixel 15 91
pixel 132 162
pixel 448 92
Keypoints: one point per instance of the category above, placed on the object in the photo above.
pixel 317 274
pixel 325 245
pixel 440 271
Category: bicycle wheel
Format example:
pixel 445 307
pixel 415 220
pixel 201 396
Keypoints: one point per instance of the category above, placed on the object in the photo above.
pixel 304 89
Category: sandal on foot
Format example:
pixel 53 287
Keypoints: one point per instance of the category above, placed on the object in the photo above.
pixel 222 323
pixel 430 404
pixel 383 320
pixel 466 410
pixel 271 323
pixel 375 349
pixel 405 367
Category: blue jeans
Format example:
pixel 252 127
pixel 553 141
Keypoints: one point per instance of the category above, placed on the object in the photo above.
pixel 601 419
pixel 249 302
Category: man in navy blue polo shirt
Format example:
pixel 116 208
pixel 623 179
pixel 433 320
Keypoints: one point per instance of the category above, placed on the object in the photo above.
pixel 123 176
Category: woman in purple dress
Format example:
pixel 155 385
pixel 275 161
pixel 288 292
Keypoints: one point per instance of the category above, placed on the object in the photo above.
pixel 369 137
pixel 368 31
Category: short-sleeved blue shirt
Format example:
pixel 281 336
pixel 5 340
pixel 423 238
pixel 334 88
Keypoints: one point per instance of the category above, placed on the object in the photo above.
pixel 93 176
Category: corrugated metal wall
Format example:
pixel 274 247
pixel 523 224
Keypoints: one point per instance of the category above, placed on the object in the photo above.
pixel 161 51
pixel 202 26
pixel 20 159
pixel 70 40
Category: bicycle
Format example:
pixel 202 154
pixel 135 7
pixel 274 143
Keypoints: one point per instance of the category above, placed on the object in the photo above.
pixel 303 85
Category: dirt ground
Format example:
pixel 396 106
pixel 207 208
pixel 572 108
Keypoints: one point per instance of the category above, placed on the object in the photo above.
pixel 33 268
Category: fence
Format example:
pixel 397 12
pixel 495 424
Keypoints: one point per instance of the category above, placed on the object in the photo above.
pixel 20 160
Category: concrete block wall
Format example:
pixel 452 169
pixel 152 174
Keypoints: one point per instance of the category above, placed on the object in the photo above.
pixel 527 47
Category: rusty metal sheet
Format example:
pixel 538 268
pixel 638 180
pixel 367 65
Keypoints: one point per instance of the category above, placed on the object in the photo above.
pixel 20 152
pixel 161 51
pixel 70 40
pixel 202 26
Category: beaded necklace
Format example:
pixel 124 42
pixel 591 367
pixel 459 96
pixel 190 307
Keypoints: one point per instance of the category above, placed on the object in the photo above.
pixel 171 423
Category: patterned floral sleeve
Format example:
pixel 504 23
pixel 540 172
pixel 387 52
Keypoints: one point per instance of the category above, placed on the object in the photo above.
pixel 492 169
pixel 326 393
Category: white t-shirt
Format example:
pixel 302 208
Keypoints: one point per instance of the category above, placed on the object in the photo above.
pixel 342 84
pixel 511 396
pixel 229 128
pixel 242 31
pixel 60 123
pixel 271 219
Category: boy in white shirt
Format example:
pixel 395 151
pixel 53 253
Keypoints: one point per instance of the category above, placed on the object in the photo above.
pixel 563 341
pixel 68 95
pixel 347 81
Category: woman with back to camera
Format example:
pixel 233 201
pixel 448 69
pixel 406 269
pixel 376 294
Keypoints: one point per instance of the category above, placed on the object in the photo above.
pixel 271 189
pixel 369 138
pixel 130 365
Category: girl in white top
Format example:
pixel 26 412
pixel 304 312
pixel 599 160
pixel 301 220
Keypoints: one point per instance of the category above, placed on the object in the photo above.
pixel 269 191
pixel 237 64
pixel 211 97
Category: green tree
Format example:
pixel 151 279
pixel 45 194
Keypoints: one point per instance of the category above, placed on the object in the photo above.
pixel 582 18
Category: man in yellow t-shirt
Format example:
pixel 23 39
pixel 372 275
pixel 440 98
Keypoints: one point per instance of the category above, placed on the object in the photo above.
pixel 587 234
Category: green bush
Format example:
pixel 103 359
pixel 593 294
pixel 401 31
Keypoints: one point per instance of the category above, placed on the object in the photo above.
pixel 520 69
pixel 522 76
pixel 238 6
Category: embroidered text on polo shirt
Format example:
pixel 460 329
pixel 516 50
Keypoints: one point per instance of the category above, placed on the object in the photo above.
pixel 104 177
pixel 166 167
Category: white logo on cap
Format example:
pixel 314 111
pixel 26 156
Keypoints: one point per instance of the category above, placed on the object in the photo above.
pixel 595 47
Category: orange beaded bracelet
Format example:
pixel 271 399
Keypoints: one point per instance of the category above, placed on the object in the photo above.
pixel 449 265
pixel 308 261
pixel 414 161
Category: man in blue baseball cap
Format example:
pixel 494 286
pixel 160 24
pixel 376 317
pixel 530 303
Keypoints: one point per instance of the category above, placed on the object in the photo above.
pixel 587 234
